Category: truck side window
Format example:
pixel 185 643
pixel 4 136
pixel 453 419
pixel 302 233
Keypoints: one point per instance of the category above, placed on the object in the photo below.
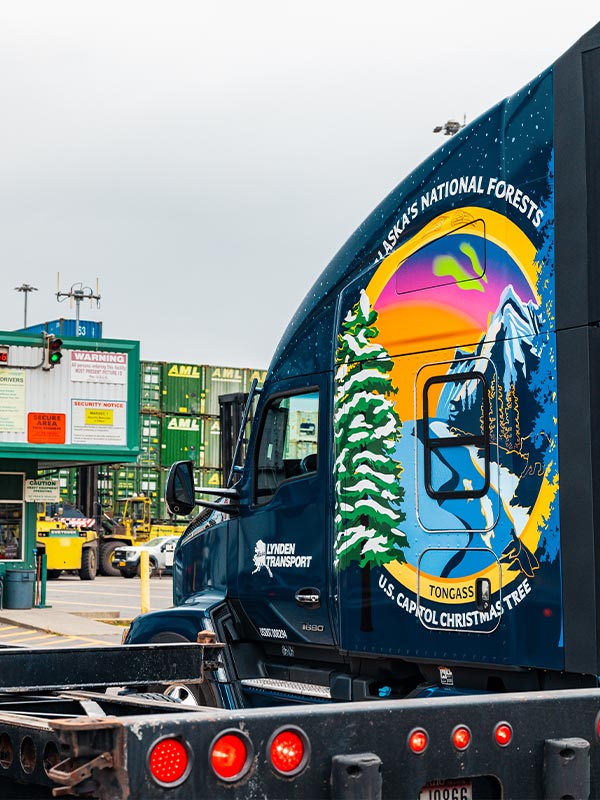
pixel 448 470
pixel 287 446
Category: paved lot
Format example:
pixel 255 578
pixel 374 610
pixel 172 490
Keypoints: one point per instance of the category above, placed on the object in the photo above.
pixel 116 595
pixel 73 608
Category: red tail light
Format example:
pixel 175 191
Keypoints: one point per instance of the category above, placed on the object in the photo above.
pixel 503 734
pixel 230 756
pixel 288 751
pixel 169 761
pixel 461 737
pixel 418 740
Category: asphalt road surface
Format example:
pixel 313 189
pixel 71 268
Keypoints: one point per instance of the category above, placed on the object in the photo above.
pixel 104 594
pixel 118 597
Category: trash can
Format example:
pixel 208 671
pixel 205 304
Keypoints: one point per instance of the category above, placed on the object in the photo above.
pixel 19 586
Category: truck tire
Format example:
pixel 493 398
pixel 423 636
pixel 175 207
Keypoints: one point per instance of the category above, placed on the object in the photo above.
pixel 106 556
pixel 89 564
pixel 128 573
pixel 53 574
pixel 195 694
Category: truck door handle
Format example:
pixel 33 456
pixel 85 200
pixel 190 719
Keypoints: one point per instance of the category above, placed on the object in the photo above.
pixel 308 597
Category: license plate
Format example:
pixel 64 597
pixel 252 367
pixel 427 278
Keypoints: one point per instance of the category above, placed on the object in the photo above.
pixel 446 790
pixel 121 564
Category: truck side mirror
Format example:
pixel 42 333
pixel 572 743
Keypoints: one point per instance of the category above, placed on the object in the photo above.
pixel 180 494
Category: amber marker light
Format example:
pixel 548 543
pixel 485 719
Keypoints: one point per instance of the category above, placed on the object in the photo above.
pixel 230 756
pixel 418 740
pixel 288 751
pixel 169 762
pixel 461 737
pixel 503 734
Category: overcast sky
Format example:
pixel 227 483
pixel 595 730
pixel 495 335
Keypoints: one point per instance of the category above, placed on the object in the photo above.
pixel 205 160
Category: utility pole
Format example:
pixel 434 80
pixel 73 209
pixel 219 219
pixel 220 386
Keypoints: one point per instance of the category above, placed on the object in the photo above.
pixel 77 293
pixel 25 288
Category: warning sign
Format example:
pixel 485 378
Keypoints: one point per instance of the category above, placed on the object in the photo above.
pixel 43 428
pixel 93 366
pixel 101 422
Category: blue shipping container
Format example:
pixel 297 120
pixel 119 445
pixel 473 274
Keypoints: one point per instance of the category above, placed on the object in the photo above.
pixel 67 327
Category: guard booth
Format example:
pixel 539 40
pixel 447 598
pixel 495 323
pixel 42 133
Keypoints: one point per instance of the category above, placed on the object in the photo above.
pixel 63 402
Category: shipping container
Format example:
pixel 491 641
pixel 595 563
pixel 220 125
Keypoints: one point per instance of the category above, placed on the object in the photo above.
pixel 105 486
pixel 212 443
pixel 250 375
pixel 148 482
pixel 123 478
pixel 181 439
pixel 67 327
pixel 221 380
pixel 150 438
pixel 212 478
pixel 150 385
pixel 182 389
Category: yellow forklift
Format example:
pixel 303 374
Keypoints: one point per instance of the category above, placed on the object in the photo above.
pixel 132 524
pixel 69 540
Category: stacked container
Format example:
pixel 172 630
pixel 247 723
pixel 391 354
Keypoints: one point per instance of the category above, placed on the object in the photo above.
pixel 178 420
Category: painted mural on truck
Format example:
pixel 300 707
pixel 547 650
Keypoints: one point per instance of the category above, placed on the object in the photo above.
pixel 446 426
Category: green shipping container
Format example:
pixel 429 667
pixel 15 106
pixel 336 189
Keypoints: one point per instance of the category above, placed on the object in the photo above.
pixel 150 432
pixel 212 478
pixel 221 380
pixel 251 374
pixel 148 483
pixel 106 486
pixel 123 479
pixel 182 390
pixel 150 385
pixel 67 479
pixel 182 439
pixel 212 443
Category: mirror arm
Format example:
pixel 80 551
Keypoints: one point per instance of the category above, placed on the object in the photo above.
pixel 233 494
pixel 227 508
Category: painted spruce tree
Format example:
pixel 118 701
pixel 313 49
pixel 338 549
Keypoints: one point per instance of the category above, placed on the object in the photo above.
pixel 367 429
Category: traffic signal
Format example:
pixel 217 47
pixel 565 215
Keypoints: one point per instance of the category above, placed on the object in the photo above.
pixel 52 351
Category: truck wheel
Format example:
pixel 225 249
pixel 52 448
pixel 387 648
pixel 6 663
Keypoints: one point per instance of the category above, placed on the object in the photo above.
pixel 53 574
pixel 107 550
pixel 128 573
pixel 89 564
pixel 152 569
pixel 195 694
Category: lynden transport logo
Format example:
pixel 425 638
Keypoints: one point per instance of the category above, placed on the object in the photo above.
pixel 269 556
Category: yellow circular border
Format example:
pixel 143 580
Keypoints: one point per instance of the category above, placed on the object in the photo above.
pixel 510 238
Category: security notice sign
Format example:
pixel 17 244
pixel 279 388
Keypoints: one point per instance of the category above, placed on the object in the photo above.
pixel 95 366
pixel 100 422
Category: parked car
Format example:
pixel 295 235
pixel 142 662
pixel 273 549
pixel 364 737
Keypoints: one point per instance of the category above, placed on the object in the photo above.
pixel 160 550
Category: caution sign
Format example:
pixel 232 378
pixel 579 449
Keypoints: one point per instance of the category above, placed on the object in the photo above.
pixel 46 428
pixel 42 490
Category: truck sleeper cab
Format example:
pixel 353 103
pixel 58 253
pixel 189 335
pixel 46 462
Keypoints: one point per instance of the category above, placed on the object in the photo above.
pixel 416 506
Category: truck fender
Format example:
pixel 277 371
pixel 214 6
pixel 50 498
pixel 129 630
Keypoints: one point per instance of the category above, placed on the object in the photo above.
pixel 186 621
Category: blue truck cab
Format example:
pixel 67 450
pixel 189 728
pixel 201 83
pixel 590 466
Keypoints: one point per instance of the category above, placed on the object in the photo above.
pixel 417 506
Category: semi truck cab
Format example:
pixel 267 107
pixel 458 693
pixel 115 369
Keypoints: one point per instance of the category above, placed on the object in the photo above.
pixel 417 503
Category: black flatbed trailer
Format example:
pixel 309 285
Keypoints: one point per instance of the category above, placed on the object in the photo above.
pixel 93 744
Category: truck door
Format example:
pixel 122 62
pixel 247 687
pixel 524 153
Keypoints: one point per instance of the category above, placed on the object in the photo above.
pixel 283 571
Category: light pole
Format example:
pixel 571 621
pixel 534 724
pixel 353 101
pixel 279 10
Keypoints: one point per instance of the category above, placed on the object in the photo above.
pixel 25 288
pixel 451 127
